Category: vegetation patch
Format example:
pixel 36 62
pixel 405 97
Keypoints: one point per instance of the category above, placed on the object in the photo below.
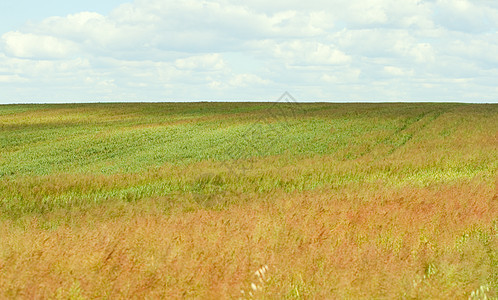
pixel 249 200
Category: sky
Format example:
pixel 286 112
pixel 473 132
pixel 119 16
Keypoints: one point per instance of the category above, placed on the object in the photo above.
pixel 58 51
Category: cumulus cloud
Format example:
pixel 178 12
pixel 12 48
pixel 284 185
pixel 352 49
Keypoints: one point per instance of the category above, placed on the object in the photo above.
pixel 378 50
pixel 28 45
pixel 302 52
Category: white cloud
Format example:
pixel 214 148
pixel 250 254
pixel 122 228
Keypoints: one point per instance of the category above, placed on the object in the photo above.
pixel 467 16
pixel 342 76
pixel 28 45
pixel 419 52
pixel 96 33
pixel 301 52
pixel 369 12
pixel 244 80
pixel 398 71
pixel 238 82
pixel 220 49
pixel 483 50
pixel 207 62
pixel 12 78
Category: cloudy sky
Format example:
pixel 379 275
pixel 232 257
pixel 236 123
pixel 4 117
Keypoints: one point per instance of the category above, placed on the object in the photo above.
pixel 318 50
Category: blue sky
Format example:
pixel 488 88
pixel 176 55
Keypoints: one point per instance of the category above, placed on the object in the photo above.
pixel 16 13
pixel 190 50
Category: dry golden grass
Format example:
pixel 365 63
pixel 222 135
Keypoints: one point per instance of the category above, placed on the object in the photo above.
pixel 437 242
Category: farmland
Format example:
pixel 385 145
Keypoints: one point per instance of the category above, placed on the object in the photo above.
pixel 180 200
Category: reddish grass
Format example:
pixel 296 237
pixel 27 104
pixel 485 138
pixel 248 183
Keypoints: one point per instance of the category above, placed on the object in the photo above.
pixel 436 242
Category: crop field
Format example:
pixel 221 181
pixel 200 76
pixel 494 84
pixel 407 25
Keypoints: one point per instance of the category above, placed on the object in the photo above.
pixel 249 200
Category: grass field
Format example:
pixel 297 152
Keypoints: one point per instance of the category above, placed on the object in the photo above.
pixel 190 200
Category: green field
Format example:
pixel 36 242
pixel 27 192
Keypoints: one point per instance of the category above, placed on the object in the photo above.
pixel 180 200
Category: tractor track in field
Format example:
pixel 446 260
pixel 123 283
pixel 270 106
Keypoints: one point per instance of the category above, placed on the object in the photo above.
pixel 411 129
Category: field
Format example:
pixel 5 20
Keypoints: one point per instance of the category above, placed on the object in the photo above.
pixel 190 200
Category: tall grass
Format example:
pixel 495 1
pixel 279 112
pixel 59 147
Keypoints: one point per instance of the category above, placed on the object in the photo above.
pixel 188 200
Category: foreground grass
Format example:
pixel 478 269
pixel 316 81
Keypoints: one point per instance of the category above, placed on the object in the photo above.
pixel 189 200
